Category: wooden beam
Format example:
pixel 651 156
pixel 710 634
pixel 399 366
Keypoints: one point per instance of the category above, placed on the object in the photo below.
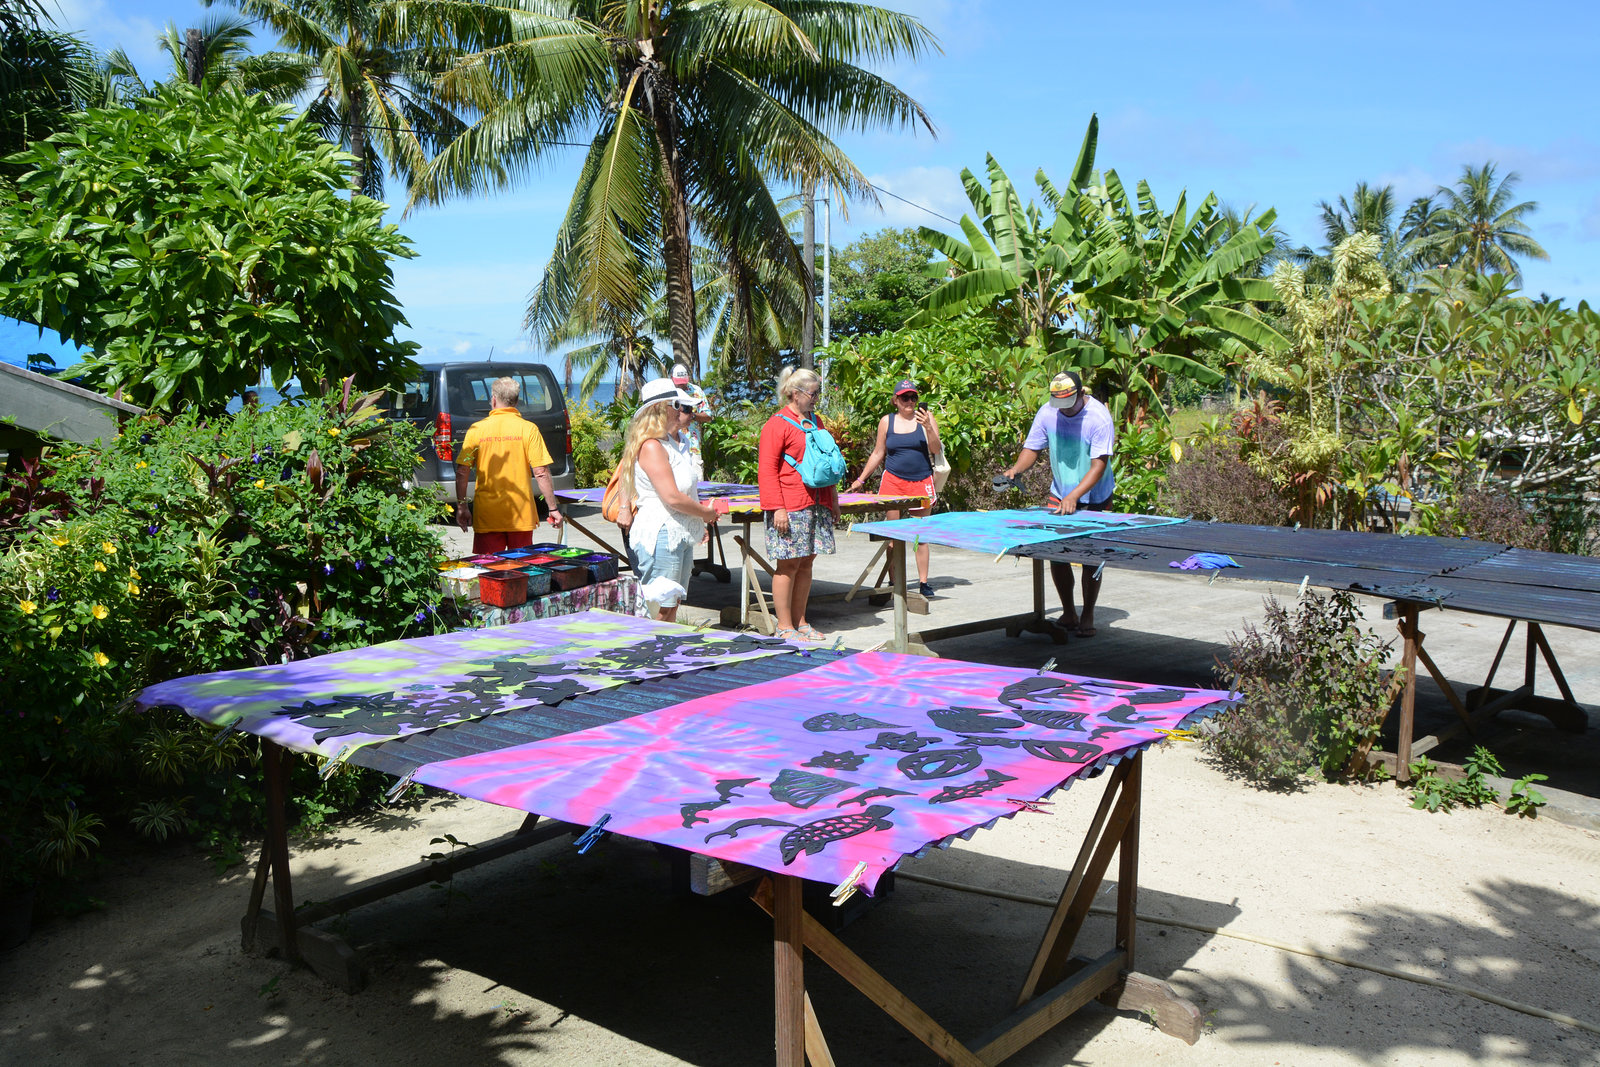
pixel 788 956
pixel 1025 1025
pixel 816 1044
pixel 861 579
pixel 1550 662
pixel 1494 666
pixel 1160 1002
pixel 709 876
pixel 1049 942
pixel 328 955
pixel 1128 868
pixel 876 988
pixel 1408 693
pixel 1441 681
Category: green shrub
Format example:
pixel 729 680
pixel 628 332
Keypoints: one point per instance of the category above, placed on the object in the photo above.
pixel 183 547
pixel 1314 693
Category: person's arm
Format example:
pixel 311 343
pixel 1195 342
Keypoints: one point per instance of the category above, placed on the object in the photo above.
pixel 658 468
pixel 931 428
pixel 1025 459
pixel 878 450
pixel 1069 503
pixel 547 490
pixel 769 466
pixel 463 508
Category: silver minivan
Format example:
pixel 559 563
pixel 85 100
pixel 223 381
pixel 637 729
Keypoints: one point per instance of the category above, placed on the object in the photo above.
pixel 446 398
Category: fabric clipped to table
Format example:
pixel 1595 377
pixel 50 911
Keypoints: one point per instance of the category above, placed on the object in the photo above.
pixel 1420 592
pixel 1204 561
pixel 835 773
pixel 332 704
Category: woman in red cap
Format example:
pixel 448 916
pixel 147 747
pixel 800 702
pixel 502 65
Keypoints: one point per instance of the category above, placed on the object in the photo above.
pixel 908 439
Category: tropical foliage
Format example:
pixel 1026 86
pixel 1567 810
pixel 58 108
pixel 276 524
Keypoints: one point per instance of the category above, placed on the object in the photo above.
pixel 1477 227
pixel 186 546
pixel 196 241
pixel 688 111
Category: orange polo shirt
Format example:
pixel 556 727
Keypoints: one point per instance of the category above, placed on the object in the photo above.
pixel 503 448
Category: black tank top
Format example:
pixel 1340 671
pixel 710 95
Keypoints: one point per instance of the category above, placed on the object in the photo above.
pixel 906 454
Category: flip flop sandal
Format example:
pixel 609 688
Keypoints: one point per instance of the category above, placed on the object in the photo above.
pixel 1085 631
pixel 810 633
pixel 785 633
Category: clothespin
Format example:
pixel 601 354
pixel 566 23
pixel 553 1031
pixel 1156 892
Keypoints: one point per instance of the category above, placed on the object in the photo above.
pixel 1297 526
pixel 1213 579
pixel 1040 806
pixel 847 888
pixel 587 839
pixel 1177 735
pixel 335 761
pixel 399 787
pixel 1303 583
pixel 1049 665
pixel 226 732
pixel 1098 569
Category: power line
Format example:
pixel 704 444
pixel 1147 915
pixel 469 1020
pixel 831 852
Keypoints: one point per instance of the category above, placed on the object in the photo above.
pixel 919 207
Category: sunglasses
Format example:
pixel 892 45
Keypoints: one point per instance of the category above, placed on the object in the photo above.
pixel 687 409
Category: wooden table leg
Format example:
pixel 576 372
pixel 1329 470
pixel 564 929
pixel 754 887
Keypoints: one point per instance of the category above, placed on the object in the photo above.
pixel 1408 694
pixel 897 561
pixel 274 760
pixel 788 958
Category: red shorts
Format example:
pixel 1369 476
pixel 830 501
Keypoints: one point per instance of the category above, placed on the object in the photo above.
pixel 500 541
pixel 895 486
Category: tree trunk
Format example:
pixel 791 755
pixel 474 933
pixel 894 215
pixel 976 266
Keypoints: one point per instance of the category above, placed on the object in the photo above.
pixel 808 260
pixel 194 61
pixel 358 148
pixel 676 249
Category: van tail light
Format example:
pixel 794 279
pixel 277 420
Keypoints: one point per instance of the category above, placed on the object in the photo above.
pixel 443 443
pixel 566 422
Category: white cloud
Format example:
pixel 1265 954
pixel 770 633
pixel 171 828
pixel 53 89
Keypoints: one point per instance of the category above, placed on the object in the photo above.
pixel 106 25
pixel 935 189
pixel 461 348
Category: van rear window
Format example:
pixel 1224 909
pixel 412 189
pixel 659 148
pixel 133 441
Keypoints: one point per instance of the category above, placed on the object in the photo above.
pixel 472 391
pixel 414 402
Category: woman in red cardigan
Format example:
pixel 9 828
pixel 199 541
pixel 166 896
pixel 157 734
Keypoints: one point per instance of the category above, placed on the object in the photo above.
pixel 799 519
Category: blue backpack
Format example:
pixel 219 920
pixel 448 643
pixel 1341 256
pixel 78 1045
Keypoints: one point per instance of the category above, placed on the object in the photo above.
pixel 822 464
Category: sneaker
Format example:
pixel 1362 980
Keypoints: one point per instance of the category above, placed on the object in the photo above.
pixel 925 588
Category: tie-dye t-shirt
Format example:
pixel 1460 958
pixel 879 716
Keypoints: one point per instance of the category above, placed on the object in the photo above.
pixel 1073 441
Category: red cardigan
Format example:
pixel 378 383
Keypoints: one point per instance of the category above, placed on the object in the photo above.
pixel 780 483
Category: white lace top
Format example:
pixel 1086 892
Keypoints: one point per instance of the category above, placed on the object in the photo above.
pixel 651 515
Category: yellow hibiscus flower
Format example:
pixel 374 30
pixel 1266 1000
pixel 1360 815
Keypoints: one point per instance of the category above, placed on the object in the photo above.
pixel 99 611
pixel 60 541
pixel 133 589
pixel 261 483
pixel 101 659
pixel 108 548
pixel 333 431
pixel 141 465
pixel 28 607
pixel 99 568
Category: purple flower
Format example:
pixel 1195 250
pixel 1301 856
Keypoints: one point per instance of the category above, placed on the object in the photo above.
pixel 421 616
pixel 255 457
pixel 327 568
pixel 53 595
pixel 152 528
pixel 326 635
pixel 359 564
pixel 144 439
pixel 254 592
pixel 389 558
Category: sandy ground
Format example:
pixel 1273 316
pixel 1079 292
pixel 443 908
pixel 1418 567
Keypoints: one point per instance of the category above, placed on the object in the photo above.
pixel 549 957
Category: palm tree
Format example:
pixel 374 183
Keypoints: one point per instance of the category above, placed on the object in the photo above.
pixel 1478 226
pixel 225 60
pixel 687 108
pixel 371 83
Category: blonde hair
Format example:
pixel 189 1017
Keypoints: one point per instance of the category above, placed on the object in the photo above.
pixel 648 424
pixel 505 390
pixel 793 379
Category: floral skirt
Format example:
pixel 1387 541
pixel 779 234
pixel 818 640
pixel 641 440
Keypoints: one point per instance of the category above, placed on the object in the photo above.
pixel 810 532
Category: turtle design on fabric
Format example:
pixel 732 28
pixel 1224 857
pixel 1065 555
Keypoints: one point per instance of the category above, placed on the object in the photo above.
pixel 812 837
pixel 1040 688
pixel 906 742
pixel 993 780
pixel 832 720
pixel 972 720
pixel 837 761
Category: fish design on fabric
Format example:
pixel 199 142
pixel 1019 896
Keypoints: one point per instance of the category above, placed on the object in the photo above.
pixel 906 742
pixel 1064 751
pixel 727 789
pixel 874 793
pixel 381 715
pixel 972 720
pixel 1120 716
pixel 801 789
pixel 812 837
pixel 1040 688
pixel 837 761
pixel 994 780
pixel 940 763
pixel 833 720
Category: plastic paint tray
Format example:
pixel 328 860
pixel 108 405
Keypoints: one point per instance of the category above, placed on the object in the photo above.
pixel 546 548
pixel 564 576
pixel 505 565
pixel 461 583
pixel 543 560
pixel 570 553
pixel 503 589
pixel 538 581
pixel 516 553
pixel 602 566
pixel 482 561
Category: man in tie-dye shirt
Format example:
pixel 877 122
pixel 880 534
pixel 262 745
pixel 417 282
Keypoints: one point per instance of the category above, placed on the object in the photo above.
pixel 1077 431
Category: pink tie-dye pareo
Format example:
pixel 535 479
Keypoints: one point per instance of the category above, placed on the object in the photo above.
pixel 861 761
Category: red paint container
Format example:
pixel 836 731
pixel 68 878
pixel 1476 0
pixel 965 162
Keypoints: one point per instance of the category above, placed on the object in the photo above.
pixel 503 589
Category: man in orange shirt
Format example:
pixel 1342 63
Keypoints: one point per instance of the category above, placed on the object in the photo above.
pixel 508 454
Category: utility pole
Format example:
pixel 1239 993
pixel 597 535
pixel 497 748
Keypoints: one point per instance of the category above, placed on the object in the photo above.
pixel 808 259
pixel 194 56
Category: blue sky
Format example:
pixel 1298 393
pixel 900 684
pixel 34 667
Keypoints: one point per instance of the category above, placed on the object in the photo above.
pixel 1268 102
